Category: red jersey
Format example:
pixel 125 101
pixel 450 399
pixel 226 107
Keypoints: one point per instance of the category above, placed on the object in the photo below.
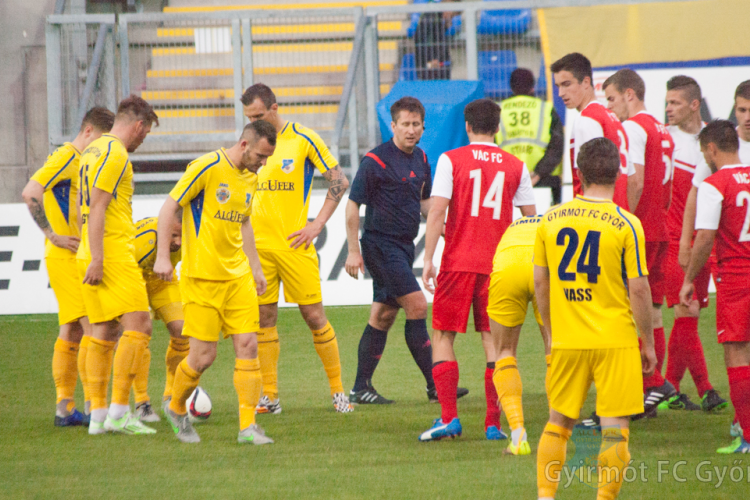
pixel 482 183
pixel 597 121
pixel 724 206
pixel 686 157
pixel 651 145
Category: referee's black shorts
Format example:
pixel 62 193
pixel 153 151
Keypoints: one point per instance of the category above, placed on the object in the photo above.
pixel 389 262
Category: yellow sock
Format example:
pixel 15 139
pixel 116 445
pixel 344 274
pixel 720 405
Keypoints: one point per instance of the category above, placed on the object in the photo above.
pixel 140 382
pixel 65 370
pixel 127 361
pixel 247 383
pixel 613 458
pixel 176 351
pixel 550 458
pixel 509 389
pixel 328 350
pixel 185 381
pixel 268 355
pixel 548 359
pixel 82 353
pixel 98 368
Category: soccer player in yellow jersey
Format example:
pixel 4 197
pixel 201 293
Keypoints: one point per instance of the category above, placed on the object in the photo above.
pixel 164 299
pixel 584 252
pixel 220 273
pixel 51 197
pixel 284 238
pixel 113 288
pixel 511 290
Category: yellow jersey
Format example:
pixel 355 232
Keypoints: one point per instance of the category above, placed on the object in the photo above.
pixel 521 233
pixel 145 248
pixel 284 186
pixel 59 177
pixel 105 165
pixel 217 198
pixel 591 246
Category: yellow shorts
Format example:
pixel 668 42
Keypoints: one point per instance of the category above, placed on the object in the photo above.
pixel 298 271
pixel 512 288
pixel 165 299
pixel 214 306
pixel 64 280
pixel 121 291
pixel 616 374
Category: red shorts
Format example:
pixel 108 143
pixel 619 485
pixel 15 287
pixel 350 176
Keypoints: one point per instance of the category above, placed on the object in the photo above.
pixel 674 277
pixel 733 307
pixel 455 293
pixel 656 262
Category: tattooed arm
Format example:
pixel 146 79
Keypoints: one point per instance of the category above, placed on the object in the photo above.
pixel 33 195
pixel 337 186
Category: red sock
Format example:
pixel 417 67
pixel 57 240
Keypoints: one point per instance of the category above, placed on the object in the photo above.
pixel 446 383
pixel 677 362
pixel 660 346
pixel 739 393
pixel 493 411
pixel 694 357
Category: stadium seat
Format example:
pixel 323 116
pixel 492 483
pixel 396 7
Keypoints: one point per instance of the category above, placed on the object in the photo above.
pixel 408 70
pixel 491 22
pixel 495 67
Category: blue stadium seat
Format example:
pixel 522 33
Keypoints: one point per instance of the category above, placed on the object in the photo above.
pixel 408 70
pixel 495 67
pixel 541 82
pixel 491 22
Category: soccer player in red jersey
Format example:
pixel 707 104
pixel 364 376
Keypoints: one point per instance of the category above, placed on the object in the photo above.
pixel 478 185
pixel 742 115
pixel 651 149
pixel 723 215
pixel 574 77
pixel 685 348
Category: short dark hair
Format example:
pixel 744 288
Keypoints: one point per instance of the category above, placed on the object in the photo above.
pixel 100 118
pixel 483 115
pixel 136 108
pixel 627 79
pixel 259 91
pixel 722 133
pixel 599 162
pixel 743 90
pixel 408 103
pixel 260 129
pixel 578 64
pixel 686 84
pixel 522 82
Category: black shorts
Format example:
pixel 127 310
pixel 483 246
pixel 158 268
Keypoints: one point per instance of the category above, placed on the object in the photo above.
pixel 389 262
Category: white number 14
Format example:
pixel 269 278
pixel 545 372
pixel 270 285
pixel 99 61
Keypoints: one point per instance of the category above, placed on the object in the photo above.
pixel 494 197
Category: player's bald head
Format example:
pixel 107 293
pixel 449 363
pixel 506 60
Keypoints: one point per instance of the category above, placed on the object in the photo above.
pixel 599 162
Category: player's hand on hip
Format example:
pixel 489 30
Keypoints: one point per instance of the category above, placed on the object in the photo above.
pixel 260 282
pixel 163 269
pixel 94 274
pixel 648 360
pixel 354 264
pixel 429 276
pixel 684 257
pixel 305 236
pixel 66 242
pixel 686 294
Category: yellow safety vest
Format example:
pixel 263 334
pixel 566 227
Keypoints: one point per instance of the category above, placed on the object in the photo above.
pixel 525 129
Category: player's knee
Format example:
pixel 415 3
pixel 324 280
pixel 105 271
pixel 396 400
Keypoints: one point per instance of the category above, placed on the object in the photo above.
pixel 175 328
pixel 268 315
pixel 246 346
pixel 417 309
pixel 383 319
pixel 200 359
pixel 314 315
pixel 71 332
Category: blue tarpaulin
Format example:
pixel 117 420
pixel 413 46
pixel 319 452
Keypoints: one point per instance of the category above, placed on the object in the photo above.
pixel 444 103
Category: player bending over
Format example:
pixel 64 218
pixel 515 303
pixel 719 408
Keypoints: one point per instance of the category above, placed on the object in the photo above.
pixel 584 250
pixel 48 195
pixel 220 273
pixel 723 212
pixel 511 290
pixel 478 185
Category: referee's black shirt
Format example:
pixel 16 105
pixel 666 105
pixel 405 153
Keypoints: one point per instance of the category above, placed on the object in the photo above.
pixel 392 183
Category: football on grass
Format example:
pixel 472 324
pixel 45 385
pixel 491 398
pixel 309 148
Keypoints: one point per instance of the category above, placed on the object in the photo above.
pixel 199 406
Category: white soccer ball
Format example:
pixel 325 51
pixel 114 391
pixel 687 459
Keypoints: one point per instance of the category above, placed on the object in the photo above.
pixel 199 406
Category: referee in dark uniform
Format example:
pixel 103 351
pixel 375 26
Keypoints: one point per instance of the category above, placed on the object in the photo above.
pixel 394 182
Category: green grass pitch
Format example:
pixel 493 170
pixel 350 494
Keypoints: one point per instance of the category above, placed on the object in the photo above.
pixel 371 453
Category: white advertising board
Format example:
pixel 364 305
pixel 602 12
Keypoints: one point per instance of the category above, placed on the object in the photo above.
pixel 24 286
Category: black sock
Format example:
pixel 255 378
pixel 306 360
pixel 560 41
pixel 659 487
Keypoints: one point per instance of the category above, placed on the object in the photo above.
pixel 371 347
pixel 491 365
pixel 420 346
